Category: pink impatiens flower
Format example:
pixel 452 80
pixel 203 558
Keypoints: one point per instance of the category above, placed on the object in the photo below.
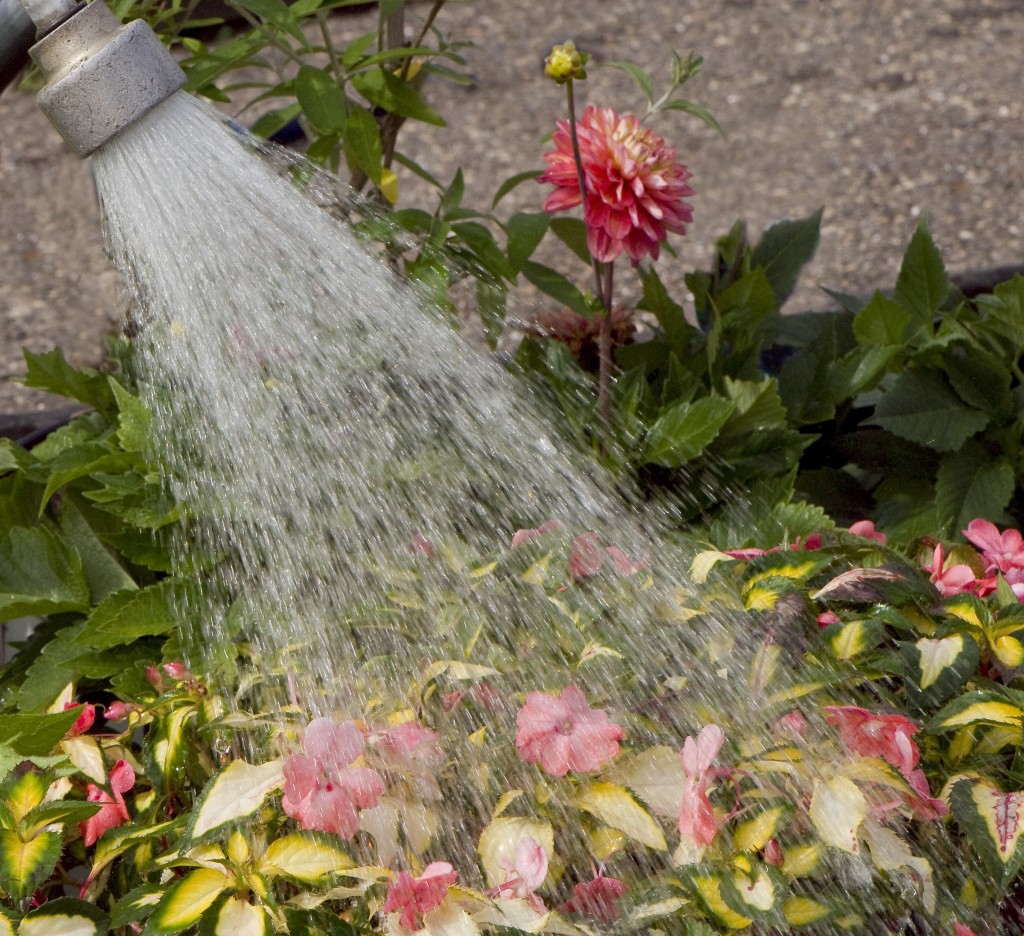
pixel 867 529
pixel 414 896
pixel 321 790
pixel 634 186
pixel 524 874
pixel 868 734
pixel 113 812
pixel 697 816
pixel 950 579
pixel 596 899
pixel 1003 552
pixel 85 718
pixel 563 733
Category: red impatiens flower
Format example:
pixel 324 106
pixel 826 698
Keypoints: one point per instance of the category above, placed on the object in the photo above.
pixel 869 734
pixel 414 896
pixel 321 790
pixel 634 186
pixel 113 812
pixel 563 733
pixel 85 718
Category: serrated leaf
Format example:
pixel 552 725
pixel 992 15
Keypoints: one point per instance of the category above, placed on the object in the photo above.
pixel 655 776
pixel 134 419
pixel 710 891
pixel 854 638
pixel 59 811
pixel 25 865
pixel 32 735
pixel 971 483
pixel 920 407
pixel 615 806
pixel 126 616
pixel 186 901
pixel 136 905
pixel 39 574
pixel 235 793
pixel 783 251
pixel 922 285
pixel 882 321
pixel 305 856
pixel 682 432
pixel 51 372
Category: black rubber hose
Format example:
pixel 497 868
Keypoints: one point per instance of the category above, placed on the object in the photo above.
pixel 17 34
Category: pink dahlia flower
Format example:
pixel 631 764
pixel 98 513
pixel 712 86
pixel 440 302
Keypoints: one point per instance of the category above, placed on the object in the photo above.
pixel 868 734
pixel 634 186
pixel 414 896
pixel 321 790
pixel 113 812
pixel 563 733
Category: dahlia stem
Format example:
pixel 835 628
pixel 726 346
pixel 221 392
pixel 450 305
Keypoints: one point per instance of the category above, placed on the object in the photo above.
pixel 602 288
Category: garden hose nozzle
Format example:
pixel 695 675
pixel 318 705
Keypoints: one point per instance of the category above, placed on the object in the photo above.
pixel 101 76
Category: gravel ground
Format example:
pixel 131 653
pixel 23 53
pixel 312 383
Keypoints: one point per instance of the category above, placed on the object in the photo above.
pixel 879 110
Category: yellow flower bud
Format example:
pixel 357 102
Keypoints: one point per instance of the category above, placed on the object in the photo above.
pixel 565 63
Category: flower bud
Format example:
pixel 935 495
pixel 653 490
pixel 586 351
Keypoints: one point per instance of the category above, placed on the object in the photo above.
pixel 565 63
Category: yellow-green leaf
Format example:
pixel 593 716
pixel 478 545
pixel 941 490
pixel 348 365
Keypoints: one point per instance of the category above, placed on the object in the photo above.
pixel 24 865
pixel 235 793
pixel 710 891
pixel 187 900
pixel 25 795
pixel 800 911
pixel 500 840
pixel 1008 650
pixel 801 860
pixel 754 833
pixel 980 707
pixel 837 809
pixel 656 776
pixel 994 823
pixel 615 806
pixel 305 856
pixel 852 639
pixel 240 918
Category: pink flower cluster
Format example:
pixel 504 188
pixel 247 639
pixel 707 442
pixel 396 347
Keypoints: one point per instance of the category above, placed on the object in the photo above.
pixel 414 896
pixel 321 788
pixel 1001 553
pixel 563 733
pixel 634 186
pixel 697 816
pixel 586 554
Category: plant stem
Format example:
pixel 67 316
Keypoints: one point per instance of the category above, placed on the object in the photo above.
pixel 602 289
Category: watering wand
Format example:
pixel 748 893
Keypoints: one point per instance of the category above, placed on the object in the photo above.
pixel 101 76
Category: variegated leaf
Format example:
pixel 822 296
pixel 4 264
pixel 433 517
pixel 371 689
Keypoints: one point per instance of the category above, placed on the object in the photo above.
pixel 837 810
pixel 709 890
pixel 6 924
pixel 994 823
pixel 136 905
pixel 938 668
pixel 64 917
pixel 852 639
pixel 236 793
pixel 616 807
pixel 500 840
pixel 982 707
pixel 305 856
pixel 25 865
pixel 170 741
pixel 801 911
pixel 655 775
pixel 753 834
pixel 237 917
pixel 186 901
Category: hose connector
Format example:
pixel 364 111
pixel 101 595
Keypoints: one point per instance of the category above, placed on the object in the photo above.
pixel 101 76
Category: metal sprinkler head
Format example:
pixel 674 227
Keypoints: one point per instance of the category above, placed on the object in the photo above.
pixel 101 76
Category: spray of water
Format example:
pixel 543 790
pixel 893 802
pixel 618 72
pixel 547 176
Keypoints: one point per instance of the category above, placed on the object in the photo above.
pixel 354 474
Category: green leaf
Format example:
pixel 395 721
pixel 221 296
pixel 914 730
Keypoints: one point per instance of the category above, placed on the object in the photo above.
pixel 970 484
pixel 25 865
pixel 981 379
pixel 385 90
pixel 978 708
pixel 102 571
pixel 235 793
pixel 451 198
pixel 64 916
pixel 682 432
pixel 234 916
pixel 136 905
pixel 39 574
pixel 81 461
pixel 59 811
pixel 938 668
pixel 31 735
pixel 922 285
pixel 322 101
pixel 553 284
pixel 669 313
pixel 881 322
pixel 524 231
pixel 52 373
pixel 133 419
pixel 363 144
pixel 615 806
pixel 275 120
pixel 125 616
pixel 694 110
pixel 513 182
pixel 994 824
pixel 783 251
pixel 919 406
pixel 642 79
pixel 305 856
pixel 185 901
pixel 573 233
